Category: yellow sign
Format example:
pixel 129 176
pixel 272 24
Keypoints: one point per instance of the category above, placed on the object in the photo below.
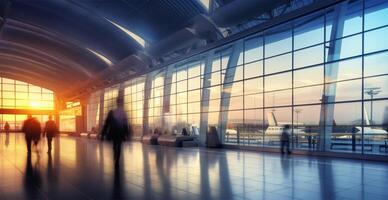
pixel 75 111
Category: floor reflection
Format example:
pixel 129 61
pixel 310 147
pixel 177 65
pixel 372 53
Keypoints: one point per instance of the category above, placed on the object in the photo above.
pixel 79 168
pixel 117 191
pixel 7 140
pixel 32 178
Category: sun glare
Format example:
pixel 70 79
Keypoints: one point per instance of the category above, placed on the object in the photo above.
pixel 35 104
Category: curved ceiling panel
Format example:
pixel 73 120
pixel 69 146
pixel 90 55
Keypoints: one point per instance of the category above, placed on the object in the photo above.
pixel 63 43
pixel 69 45
pixel 75 23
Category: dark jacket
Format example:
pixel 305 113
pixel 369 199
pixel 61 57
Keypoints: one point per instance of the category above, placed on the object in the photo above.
pixel 116 125
pixel 285 137
pixel 31 128
pixel 50 129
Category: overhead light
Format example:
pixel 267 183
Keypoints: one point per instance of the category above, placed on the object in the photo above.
pixel 137 38
pixel 103 58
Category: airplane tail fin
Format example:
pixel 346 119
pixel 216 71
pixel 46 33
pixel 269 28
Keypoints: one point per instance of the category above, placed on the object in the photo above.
pixel 366 117
pixel 272 119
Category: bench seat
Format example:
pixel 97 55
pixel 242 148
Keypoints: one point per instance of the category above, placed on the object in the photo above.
pixel 174 140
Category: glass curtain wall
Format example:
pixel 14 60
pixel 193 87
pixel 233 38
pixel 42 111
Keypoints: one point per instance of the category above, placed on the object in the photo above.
pixel 110 96
pixel 134 103
pixel 324 74
pixel 17 95
pixel 20 95
pixel 155 101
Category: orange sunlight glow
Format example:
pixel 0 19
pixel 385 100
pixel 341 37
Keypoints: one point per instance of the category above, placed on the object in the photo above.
pixel 35 104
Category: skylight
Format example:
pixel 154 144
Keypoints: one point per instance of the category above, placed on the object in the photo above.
pixel 103 58
pixel 138 39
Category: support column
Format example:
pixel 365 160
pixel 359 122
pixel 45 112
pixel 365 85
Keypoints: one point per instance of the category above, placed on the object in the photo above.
pixel 331 73
pixel 205 98
pixel 227 87
pixel 167 94
pixel 147 95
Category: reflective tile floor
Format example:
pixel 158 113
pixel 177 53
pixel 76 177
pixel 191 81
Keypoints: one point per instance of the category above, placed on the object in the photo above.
pixel 82 169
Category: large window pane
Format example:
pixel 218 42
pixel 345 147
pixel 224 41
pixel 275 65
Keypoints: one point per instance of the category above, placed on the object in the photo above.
pixel 308 95
pixel 309 56
pixel 21 88
pixel 376 113
pixel 234 89
pixel 216 78
pixel 253 69
pixel 344 91
pixel 376 13
pixel 278 63
pixel 215 92
pixel 182 97
pixel 194 95
pixel 309 31
pixel 306 126
pixel 374 40
pixel 253 127
pixel 345 48
pixel 252 86
pixel 8 87
pixel 181 74
pixel 194 70
pixel 194 107
pixel 194 83
pixel 214 105
pixel 308 76
pixel 233 127
pixel 253 49
pixel 235 103
pixel 344 70
pixel 375 126
pixel 278 40
pixel 376 86
pixel 278 81
pixel 278 98
pixel 181 86
pixel 376 64
pixel 342 129
pixel 253 101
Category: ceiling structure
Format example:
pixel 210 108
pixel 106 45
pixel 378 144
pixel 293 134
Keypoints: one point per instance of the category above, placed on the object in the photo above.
pixel 73 47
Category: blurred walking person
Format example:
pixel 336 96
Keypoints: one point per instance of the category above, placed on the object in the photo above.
pixel 285 139
pixel 116 129
pixel 32 129
pixel 50 131
pixel 6 128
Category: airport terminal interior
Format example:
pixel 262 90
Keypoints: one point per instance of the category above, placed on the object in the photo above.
pixel 210 93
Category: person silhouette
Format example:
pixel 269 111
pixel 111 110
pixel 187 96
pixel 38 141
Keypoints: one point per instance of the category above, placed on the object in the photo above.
pixel 116 129
pixel 50 131
pixel 31 128
pixel 6 128
pixel 285 139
